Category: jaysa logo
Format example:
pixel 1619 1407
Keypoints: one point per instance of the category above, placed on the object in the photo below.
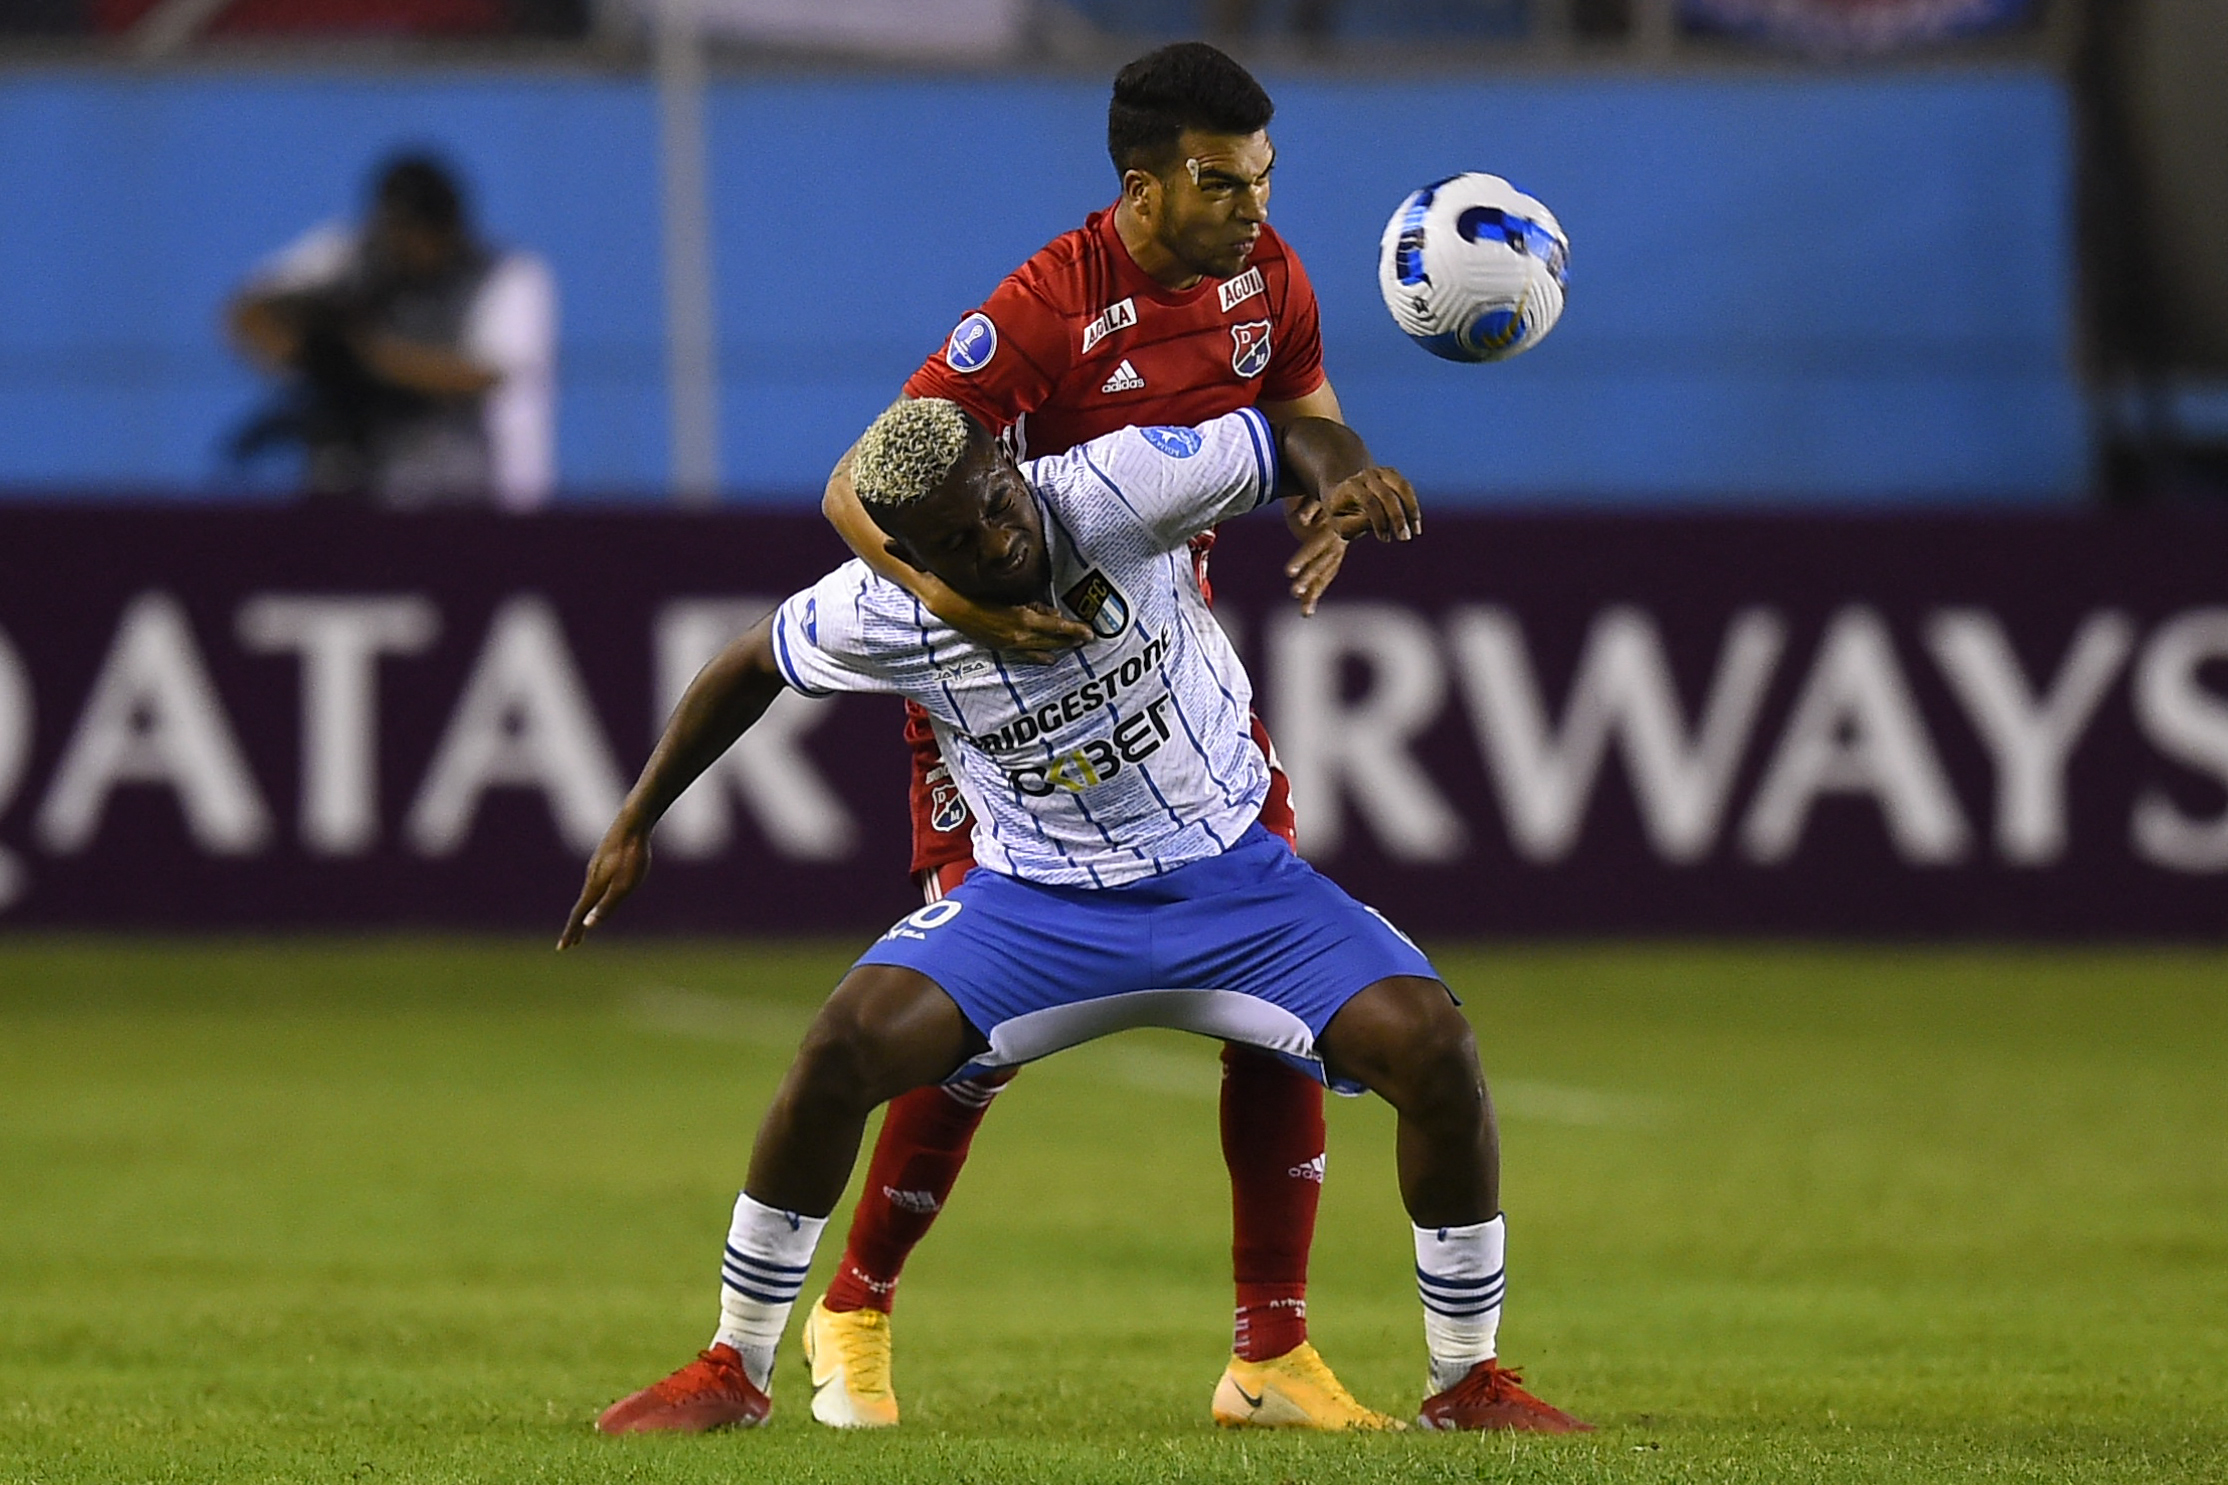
pixel 974 341
pixel 1176 443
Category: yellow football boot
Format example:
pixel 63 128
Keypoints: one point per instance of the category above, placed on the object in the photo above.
pixel 1295 1390
pixel 849 1354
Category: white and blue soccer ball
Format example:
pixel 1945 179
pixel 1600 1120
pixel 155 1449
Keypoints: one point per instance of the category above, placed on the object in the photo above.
pixel 1473 269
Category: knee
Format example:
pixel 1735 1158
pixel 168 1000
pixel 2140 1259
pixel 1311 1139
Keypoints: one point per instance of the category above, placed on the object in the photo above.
pixel 843 1063
pixel 1405 1039
pixel 1431 1061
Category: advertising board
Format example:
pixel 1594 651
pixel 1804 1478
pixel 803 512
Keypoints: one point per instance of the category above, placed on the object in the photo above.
pixel 1977 725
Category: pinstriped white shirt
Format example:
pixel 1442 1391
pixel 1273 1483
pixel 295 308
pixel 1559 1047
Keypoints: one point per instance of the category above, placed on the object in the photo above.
pixel 1126 758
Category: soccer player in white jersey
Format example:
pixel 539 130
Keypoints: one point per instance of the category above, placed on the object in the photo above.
pixel 1123 879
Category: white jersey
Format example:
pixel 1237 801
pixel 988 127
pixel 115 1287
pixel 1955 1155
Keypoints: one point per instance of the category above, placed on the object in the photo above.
pixel 1125 758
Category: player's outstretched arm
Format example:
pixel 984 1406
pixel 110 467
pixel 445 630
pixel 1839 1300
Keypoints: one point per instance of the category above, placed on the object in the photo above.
pixel 719 706
pixel 1032 633
pixel 1328 462
pixel 1322 550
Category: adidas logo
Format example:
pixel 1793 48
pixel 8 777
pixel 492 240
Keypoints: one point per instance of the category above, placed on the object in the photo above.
pixel 913 1201
pixel 1124 379
pixel 1309 1171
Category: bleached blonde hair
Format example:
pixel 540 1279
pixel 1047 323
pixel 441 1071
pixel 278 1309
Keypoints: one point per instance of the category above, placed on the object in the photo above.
pixel 908 451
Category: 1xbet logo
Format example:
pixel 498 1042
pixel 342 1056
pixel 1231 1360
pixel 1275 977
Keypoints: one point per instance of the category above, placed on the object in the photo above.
pixel 1133 740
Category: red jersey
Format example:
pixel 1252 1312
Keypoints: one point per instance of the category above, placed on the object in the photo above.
pixel 1078 341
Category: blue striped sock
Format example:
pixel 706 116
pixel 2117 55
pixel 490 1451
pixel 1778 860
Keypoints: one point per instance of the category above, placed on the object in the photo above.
pixel 769 1252
pixel 1460 1275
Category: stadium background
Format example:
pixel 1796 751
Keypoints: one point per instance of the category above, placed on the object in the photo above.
pixel 1847 567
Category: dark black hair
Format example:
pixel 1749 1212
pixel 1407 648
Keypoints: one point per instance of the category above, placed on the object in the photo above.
pixel 421 189
pixel 1189 85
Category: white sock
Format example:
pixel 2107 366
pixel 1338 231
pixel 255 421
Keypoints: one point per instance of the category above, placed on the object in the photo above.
pixel 1460 1276
pixel 768 1255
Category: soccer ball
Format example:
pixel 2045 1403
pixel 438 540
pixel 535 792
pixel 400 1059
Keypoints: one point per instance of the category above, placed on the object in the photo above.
pixel 1473 269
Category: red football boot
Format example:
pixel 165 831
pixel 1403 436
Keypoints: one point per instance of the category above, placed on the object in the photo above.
pixel 1490 1397
pixel 710 1392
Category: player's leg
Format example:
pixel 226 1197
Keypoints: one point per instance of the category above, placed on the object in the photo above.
pixel 916 1162
pixel 1272 1142
pixel 885 1030
pixel 1404 1038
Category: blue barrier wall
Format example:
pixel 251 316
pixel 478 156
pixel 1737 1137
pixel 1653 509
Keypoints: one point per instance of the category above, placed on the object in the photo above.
pixel 1853 288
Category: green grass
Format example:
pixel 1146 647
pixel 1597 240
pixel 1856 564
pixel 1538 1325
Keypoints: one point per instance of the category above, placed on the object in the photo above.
pixel 415 1211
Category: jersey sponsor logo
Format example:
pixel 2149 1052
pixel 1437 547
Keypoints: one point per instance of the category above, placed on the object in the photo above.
pixel 1249 348
pixel 1238 290
pixel 1098 603
pixel 1101 690
pixel 974 341
pixel 1176 443
pixel 1118 316
pixel 1134 739
pixel 1124 379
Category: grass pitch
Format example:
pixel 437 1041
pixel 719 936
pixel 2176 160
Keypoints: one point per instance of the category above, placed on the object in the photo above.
pixel 416 1211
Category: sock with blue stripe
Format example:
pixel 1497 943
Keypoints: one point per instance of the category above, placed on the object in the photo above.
pixel 768 1255
pixel 1460 1277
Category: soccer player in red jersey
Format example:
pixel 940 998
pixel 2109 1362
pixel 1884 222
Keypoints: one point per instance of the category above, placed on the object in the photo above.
pixel 1175 305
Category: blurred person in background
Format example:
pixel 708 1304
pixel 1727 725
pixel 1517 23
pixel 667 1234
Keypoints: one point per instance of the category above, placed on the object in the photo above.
pixel 419 362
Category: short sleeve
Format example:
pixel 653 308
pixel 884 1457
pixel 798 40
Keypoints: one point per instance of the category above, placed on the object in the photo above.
pixel 318 259
pixel 1178 482
pixel 1298 368
pixel 511 328
pixel 824 637
pixel 1001 361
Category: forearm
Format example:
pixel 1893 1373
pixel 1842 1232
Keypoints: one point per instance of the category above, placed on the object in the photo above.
pixel 839 503
pixel 426 369
pixel 720 705
pixel 1317 455
pixel 264 331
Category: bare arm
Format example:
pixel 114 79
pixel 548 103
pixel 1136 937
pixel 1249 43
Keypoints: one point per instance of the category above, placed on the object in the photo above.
pixel 1330 464
pixel 719 706
pixel 1320 403
pixel 1034 633
pixel 1322 551
pixel 263 327
pixel 427 369
pixel 270 328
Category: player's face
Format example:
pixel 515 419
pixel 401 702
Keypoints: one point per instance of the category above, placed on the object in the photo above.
pixel 1213 202
pixel 980 533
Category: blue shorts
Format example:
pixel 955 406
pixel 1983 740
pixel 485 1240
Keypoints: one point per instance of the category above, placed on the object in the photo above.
pixel 1253 945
